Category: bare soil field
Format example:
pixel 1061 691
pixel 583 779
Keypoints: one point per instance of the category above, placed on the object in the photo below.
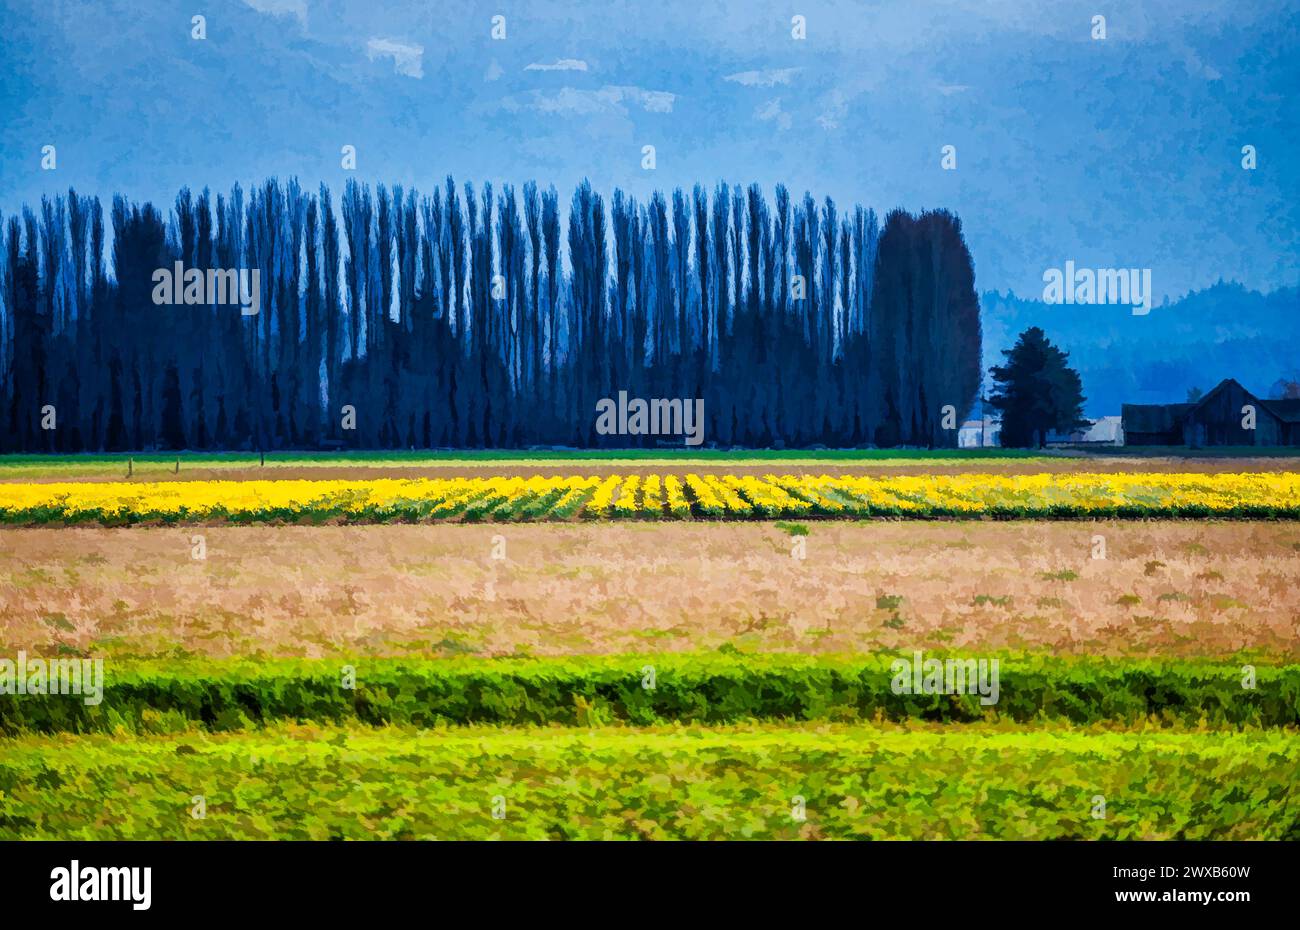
pixel 1172 589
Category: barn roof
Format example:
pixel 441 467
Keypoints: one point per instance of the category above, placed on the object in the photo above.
pixel 1288 411
pixel 1220 387
pixel 1162 418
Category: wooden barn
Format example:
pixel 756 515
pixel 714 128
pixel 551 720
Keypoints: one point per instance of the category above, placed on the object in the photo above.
pixel 1217 419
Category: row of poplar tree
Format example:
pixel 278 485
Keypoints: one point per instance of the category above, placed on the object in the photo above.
pixel 473 319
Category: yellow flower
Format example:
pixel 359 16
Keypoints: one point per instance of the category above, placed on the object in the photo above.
pixel 652 497
pixel 1271 494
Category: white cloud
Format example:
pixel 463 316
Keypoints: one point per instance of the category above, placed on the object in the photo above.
pixel 583 102
pixel 652 101
pixel 570 100
pixel 768 78
pixel 296 8
pixel 494 71
pixel 1195 64
pixel 772 112
pixel 407 59
pixel 562 64
pixel 837 107
pixel 949 89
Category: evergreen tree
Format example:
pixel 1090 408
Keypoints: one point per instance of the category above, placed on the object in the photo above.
pixel 1037 391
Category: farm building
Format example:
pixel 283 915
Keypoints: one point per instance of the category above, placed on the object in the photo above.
pixel 985 432
pixel 1220 418
pixel 1104 431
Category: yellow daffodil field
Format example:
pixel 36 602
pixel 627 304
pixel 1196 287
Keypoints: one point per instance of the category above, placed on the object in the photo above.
pixel 1269 495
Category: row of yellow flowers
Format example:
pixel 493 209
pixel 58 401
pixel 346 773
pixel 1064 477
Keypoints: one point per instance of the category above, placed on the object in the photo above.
pixel 1273 494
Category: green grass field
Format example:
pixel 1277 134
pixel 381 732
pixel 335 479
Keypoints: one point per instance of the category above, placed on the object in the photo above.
pixel 513 455
pixel 113 465
pixel 773 782
pixel 723 746
pixel 651 690
pixel 55 465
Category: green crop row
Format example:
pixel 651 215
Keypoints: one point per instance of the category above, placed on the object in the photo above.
pixel 789 782
pixel 707 688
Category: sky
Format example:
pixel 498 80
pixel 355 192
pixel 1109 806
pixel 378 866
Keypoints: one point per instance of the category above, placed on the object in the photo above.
pixel 1123 151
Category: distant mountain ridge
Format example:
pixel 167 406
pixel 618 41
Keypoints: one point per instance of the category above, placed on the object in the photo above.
pixel 1224 331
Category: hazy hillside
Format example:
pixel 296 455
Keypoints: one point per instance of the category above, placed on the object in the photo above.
pixel 1223 331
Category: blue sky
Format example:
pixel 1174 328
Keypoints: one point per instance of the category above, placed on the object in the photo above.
pixel 1122 152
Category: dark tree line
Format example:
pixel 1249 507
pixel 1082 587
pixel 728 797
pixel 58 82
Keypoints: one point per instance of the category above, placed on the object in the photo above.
pixel 483 318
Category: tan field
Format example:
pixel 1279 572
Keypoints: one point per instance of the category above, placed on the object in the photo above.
pixel 1164 588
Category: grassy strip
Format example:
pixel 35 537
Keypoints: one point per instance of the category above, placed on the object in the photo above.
pixel 74 467
pixel 705 688
pixel 470 456
pixel 862 782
